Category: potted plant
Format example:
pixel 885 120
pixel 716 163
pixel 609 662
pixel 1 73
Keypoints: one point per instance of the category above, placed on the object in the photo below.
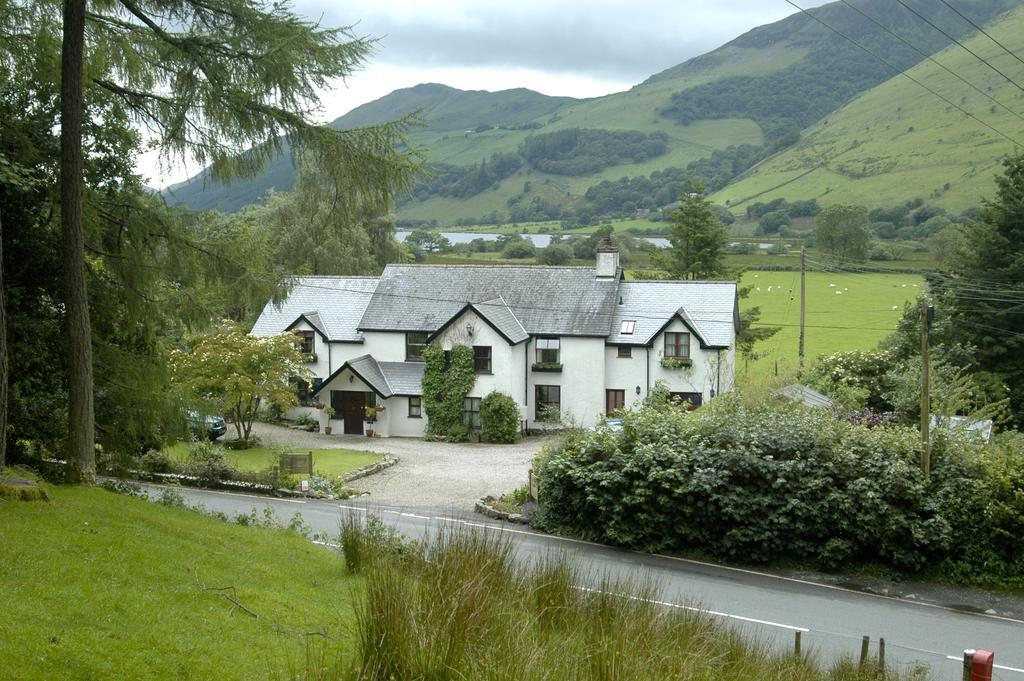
pixel 329 413
pixel 371 414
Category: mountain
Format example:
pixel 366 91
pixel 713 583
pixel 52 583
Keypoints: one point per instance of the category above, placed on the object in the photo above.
pixel 898 141
pixel 754 102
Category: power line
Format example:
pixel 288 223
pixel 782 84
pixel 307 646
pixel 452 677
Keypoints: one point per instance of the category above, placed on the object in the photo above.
pixel 904 74
pixel 930 58
pixel 962 46
pixel 982 31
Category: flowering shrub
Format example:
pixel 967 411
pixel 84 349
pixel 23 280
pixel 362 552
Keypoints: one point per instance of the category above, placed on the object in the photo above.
pixel 857 378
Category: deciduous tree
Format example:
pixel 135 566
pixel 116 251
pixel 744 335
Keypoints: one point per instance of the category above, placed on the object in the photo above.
pixel 239 373
pixel 842 231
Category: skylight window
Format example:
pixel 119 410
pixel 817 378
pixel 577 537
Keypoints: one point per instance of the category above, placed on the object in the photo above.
pixel 628 327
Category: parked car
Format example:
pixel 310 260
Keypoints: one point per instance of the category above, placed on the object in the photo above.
pixel 614 425
pixel 205 425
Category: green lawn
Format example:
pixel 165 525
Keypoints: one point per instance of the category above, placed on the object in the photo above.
pixel 854 314
pixel 326 462
pixel 102 586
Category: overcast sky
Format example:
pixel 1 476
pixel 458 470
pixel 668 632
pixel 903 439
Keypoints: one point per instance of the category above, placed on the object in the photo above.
pixel 570 47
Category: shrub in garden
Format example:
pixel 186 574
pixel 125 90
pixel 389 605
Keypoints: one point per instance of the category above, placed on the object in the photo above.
pixel 499 418
pixel 206 461
pixel 158 461
pixel 763 482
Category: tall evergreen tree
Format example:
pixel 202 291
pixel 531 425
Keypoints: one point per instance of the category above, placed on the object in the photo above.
pixel 208 79
pixel 983 290
pixel 696 238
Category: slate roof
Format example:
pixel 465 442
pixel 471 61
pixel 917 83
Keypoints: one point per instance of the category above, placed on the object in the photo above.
pixel 708 307
pixel 338 302
pixel 519 301
pixel 385 378
pixel 565 301
pixel 498 313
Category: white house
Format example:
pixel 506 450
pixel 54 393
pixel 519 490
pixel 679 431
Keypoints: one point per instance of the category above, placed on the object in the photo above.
pixel 581 341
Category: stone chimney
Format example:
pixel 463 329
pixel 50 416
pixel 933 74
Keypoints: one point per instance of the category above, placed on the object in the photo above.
pixel 607 260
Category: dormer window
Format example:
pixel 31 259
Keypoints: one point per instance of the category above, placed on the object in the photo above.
pixel 677 345
pixel 628 327
pixel 306 339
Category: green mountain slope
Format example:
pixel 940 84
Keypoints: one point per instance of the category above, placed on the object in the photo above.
pixel 898 141
pixel 721 112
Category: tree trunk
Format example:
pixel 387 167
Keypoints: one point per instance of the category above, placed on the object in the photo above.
pixel 3 358
pixel 81 441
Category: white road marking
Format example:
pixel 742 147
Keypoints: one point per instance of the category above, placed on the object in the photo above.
pixel 413 515
pixel 690 608
pixel 996 666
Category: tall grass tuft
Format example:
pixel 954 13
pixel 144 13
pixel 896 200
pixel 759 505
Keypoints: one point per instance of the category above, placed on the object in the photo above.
pixel 460 606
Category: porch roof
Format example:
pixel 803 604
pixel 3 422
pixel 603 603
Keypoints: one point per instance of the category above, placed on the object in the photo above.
pixel 387 379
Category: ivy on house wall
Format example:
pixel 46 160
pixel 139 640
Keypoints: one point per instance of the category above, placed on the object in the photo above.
pixel 445 386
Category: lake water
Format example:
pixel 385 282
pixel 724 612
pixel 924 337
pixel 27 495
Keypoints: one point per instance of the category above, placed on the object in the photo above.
pixel 541 240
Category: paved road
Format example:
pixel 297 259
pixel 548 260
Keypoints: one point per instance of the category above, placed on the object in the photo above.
pixel 832 620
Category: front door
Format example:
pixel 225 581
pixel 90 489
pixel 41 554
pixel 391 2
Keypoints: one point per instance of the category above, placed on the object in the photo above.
pixel 350 407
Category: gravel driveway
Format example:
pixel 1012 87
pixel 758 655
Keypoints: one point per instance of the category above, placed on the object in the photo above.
pixel 437 475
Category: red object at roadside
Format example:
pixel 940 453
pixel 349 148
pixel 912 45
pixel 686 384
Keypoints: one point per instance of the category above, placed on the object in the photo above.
pixel 981 665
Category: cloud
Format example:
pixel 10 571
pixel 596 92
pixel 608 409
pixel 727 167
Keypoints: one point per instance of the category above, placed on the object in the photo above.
pixel 599 38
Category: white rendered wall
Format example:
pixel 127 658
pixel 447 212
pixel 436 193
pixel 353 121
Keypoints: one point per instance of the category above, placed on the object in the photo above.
pixel 501 377
pixel 582 382
pixel 343 352
pixel 399 422
pixel 385 346
pixel 626 373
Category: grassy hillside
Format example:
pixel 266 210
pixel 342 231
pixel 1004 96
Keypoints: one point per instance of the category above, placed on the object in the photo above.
pixel 898 141
pixel 102 586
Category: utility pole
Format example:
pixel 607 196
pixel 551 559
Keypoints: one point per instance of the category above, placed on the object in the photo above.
pixel 926 313
pixel 803 288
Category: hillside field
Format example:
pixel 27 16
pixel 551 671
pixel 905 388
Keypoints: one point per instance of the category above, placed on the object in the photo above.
pixel 898 141
pixel 101 586
pixel 855 314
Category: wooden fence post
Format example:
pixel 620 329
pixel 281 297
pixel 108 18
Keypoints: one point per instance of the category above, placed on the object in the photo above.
pixel 881 657
pixel 864 644
pixel 796 644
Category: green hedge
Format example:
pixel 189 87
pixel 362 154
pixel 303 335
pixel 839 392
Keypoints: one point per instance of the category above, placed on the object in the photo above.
pixel 762 483
pixel 499 418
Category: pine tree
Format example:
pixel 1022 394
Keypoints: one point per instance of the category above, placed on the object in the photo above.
pixel 696 238
pixel 224 82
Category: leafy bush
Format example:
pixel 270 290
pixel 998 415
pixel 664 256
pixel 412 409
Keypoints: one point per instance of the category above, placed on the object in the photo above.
pixel 158 461
pixel 206 461
pixel 518 249
pixel 764 482
pixel 125 487
pixel 499 418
